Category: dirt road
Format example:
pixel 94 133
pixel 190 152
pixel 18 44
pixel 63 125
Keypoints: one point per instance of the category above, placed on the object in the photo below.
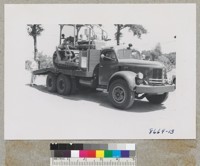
pixel 87 115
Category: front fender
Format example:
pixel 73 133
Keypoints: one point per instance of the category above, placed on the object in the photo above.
pixel 128 76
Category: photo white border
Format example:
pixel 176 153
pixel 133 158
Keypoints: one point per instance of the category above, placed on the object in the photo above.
pixel 186 51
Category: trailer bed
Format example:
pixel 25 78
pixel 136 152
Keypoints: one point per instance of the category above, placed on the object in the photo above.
pixel 72 72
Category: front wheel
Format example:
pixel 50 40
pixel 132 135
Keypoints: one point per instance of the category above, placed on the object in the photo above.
pixel 120 95
pixel 157 99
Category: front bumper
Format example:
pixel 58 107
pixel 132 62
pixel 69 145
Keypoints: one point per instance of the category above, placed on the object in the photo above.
pixel 154 89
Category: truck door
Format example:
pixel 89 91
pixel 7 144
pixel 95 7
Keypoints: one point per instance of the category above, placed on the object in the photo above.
pixel 108 66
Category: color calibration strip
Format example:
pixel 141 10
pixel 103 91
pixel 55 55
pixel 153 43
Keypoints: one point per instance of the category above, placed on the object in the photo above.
pixel 93 150
pixel 92 154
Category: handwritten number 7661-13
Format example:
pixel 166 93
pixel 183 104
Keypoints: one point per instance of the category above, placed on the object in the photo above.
pixel 161 131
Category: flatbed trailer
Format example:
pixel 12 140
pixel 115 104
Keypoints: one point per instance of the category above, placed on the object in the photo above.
pixel 77 72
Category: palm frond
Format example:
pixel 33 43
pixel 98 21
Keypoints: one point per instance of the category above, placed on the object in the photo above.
pixel 34 29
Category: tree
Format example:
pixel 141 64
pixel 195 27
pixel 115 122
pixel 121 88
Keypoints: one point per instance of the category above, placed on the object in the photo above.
pixel 153 54
pixel 136 29
pixel 156 52
pixel 172 57
pixel 35 30
pixel 147 54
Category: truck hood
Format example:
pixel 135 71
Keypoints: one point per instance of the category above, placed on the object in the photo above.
pixel 140 63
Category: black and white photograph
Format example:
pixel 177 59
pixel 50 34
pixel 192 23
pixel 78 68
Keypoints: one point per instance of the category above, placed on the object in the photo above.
pixel 100 71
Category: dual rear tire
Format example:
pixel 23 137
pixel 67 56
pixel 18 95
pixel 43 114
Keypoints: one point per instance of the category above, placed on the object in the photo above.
pixel 61 84
pixel 51 82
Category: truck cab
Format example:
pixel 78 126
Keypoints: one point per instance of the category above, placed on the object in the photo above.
pixel 127 77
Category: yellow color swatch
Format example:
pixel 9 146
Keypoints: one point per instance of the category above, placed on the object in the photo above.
pixel 99 153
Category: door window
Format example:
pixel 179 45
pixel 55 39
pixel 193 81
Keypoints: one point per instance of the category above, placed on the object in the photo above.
pixel 109 55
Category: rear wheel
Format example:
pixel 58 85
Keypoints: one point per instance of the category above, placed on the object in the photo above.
pixel 120 95
pixel 51 82
pixel 157 99
pixel 64 85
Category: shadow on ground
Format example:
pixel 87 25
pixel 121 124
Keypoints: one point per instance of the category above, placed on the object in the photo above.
pixel 139 106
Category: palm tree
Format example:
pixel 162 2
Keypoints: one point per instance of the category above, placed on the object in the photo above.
pixel 136 29
pixel 35 30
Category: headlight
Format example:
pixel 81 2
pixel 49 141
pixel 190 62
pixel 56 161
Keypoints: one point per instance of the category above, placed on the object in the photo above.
pixel 139 78
pixel 140 75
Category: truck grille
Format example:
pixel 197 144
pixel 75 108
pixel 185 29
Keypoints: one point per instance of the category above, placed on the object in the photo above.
pixel 155 81
pixel 152 76
pixel 157 73
pixel 156 77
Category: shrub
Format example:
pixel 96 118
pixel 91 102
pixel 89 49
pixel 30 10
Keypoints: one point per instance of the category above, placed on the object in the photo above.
pixel 163 59
pixel 169 60
pixel 45 61
pixel 171 57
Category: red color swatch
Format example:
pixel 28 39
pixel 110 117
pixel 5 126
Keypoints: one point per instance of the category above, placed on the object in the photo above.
pixel 87 153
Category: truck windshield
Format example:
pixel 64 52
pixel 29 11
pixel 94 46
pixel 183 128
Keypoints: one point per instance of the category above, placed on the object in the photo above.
pixel 127 54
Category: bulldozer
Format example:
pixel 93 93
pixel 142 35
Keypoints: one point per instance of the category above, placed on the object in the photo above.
pixel 75 42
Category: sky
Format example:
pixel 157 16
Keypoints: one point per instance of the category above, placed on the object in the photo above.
pixel 49 38
pixel 162 22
